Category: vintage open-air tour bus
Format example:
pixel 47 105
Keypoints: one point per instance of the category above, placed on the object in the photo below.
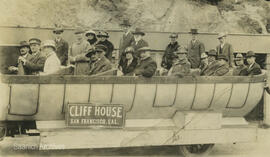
pixel 194 112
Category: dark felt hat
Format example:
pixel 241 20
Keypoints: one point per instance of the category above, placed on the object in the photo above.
pixel 238 57
pixel 90 52
pixel 222 56
pixel 194 31
pixel 138 31
pixel 250 54
pixel 125 23
pixel 173 35
pixel 103 34
pixel 24 44
pixel 100 48
pixel 58 30
pixel 34 41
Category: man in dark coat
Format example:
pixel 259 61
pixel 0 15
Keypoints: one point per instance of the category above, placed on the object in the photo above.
pixel 168 54
pixel 181 66
pixel 253 67
pixel 126 39
pixel 98 62
pixel 103 40
pixel 19 69
pixel 34 64
pixel 61 46
pixel 138 42
pixel 241 68
pixel 212 61
pixel 195 50
pixel 129 64
pixel 225 49
pixel 146 66
pixel 222 67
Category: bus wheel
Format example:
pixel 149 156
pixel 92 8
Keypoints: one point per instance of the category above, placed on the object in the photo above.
pixel 196 150
pixel 3 131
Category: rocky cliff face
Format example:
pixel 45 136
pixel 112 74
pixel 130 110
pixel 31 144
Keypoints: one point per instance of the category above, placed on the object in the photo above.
pixel 234 16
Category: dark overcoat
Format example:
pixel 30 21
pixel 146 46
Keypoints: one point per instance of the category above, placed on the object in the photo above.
pixel 146 67
pixel 255 69
pixel 168 55
pixel 62 51
pixel 194 53
pixel 35 63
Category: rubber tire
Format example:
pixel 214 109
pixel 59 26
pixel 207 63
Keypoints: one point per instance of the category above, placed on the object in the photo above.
pixel 186 153
pixel 3 132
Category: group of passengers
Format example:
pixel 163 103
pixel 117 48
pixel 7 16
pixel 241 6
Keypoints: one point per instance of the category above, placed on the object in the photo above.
pixel 193 60
pixel 91 54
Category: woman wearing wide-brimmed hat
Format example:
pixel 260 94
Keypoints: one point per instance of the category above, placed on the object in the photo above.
pixel 240 68
pixel 103 40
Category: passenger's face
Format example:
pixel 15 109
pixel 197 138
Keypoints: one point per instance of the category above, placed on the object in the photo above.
pixel 125 28
pixel 194 36
pixel 204 61
pixel 102 38
pixel 94 57
pixel 239 62
pixel 173 40
pixel 144 54
pixel 137 37
pixel 250 60
pixel 129 56
pixel 211 58
pixel 90 36
pixel 35 48
pixel 221 40
pixel 58 35
pixel 24 50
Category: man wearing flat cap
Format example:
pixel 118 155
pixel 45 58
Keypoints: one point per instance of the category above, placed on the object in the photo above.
pixel 222 66
pixel 195 49
pixel 240 68
pixel 225 48
pixel 170 49
pixel 19 69
pixel 181 66
pixel 35 63
pixel 61 46
pixel 103 40
pixel 125 41
pixel 77 53
pixel 98 62
pixel 253 67
pixel 138 42
pixel 146 65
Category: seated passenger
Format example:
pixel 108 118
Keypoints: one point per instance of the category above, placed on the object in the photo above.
pixel 34 64
pixel 52 63
pixel 253 67
pixel 241 68
pixel 212 54
pixel 204 63
pixel 19 69
pixel 128 65
pixel 181 66
pixel 222 67
pixel 146 65
pixel 98 62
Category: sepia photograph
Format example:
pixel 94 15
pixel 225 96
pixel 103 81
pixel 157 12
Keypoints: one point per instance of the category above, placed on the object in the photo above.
pixel 144 78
